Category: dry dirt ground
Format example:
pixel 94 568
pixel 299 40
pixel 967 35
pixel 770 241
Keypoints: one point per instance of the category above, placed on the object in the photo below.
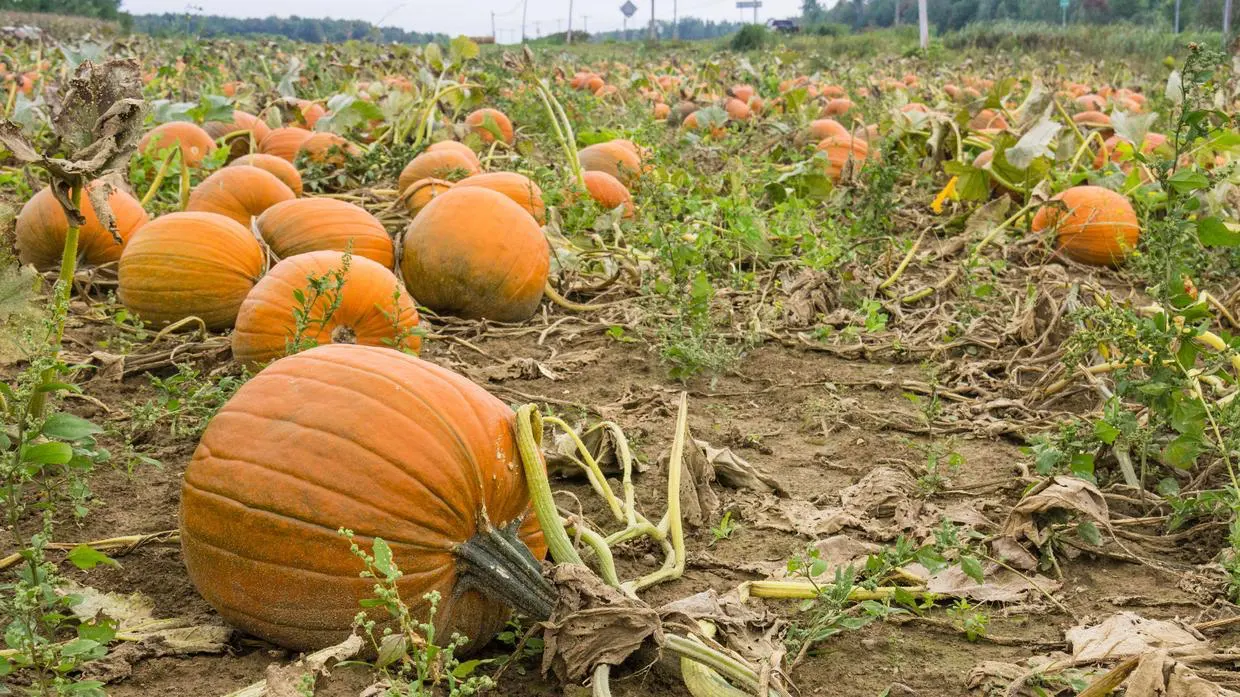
pixel 811 421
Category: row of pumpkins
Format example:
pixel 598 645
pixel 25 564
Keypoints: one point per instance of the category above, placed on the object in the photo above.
pixel 474 248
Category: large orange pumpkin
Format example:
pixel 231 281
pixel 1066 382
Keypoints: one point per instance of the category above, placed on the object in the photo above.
pixel 615 158
pixel 284 142
pixel 517 187
pixel 443 163
pixel 241 121
pixel 609 192
pixel 278 166
pixel 189 264
pixel 845 155
pixel 371 308
pixel 42 227
pixel 328 148
pixel 240 193
pixel 474 253
pixel 1093 225
pixel 826 128
pixel 194 143
pixel 456 146
pixel 313 224
pixel 383 444
pixel 484 121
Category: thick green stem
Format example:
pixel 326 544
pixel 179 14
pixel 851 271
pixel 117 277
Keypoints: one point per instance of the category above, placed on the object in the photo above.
pixel 159 177
pixel 674 567
pixel 60 307
pixel 529 434
pixel 184 183
pixel 497 564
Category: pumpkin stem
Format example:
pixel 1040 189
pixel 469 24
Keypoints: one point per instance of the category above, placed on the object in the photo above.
pixel 497 564
pixel 344 335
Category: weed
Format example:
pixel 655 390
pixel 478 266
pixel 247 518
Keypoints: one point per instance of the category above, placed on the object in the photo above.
pixel 322 296
pixel 724 529
pixel 185 402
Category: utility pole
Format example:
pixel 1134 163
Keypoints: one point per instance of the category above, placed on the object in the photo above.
pixel 494 36
pixel 675 22
pixel 559 26
pixel 923 24
pixel 755 12
pixel 585 20
pixel 1177 16
pixel 525 5
pixel 896 22
pixel 569 37
pixel 653 35
pixel 1226 22
pixel 537 29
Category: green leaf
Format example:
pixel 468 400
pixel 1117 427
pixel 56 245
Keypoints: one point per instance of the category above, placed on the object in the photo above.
pixel 465 669
pixel 1182 452
pixel 18 285
pixel 928 557
pixel 1105 432
pixel 80 647
pixel 86 558
pixel 1089 532
pixel 102 630
pixel 1214 233
pixel 53 453
pixel 1082 465
pixel 383 558
pixel 1034 144
pixel 68 427
pixel 1186 181
pixel 972 568
pixel 462 49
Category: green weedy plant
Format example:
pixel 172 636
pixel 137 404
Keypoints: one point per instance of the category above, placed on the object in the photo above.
pixel 185 402
pixel 328 286
pixel 409 660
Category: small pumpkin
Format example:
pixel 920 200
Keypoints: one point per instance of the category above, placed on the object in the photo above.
pixel 485 121
pixel 613 157
pixel 304 225
pixel 240 193
pixel 661 111
pixel 826 128
pixel 518 187
pixel 284 142
pixel 444 163
pixel 737 110
pixel 194 143
pixel 328 148
pixel 249 127
pixel 474 253
pixel 988 119
pixel 42 227
pixel 371 308
pixel 281 168
pixel 381 443
pixel 837 106
pixel 422 191
pixel 189 264
pixel 456 146
pixel 608 192
pixel 1093 225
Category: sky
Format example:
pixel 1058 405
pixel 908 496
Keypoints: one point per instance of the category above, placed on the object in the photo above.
pixel 471 18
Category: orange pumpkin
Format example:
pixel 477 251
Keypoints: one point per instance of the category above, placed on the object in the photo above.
pixel 42 227
pixel 837 107
pixel 1093 225
pixel 609 192
pixel 328 148
pixel 371 308
pixel 988 119
pixel 742 92
pixel 308 112
pixel 422 191
pixel 381 443
pixel 1091 102
pixel 845 156
pixel 484 121
pixel 618 159
pixel 826 128
pixel 281 168
pixel 189 264
pixel 456 146
pixel 515 186
pixel 737 110
pixel 1092 119
pixel 661 111
pixel 284 143
pixel 239 193
pixel 306 225
pixel 474 253
pixel 241 121
pixel 1110 149
pixel 193 142
pixel 444 163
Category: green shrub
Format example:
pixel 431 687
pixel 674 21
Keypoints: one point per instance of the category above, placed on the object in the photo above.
pixel 751 37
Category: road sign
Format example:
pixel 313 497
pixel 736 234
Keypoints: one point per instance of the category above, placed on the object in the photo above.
pixel 749 4
pixel 628 8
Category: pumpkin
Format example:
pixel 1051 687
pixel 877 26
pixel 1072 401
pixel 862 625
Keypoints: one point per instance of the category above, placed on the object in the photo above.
pixel 833 92
pixel 485 122
pixel 1091 102
pixel 328 148
pixel 284 142
pixel 308 112
pixel 473 252
pixel 371 308
pixel 1093 225
pixel 826 128
pixel 742 92
pixel 305 225
pixel 239 193
pixel 446 163
pixel 193 142
pixel 381 443
pixel 189 264
pixel 737 110
pixel 1092 119
pixel 661 111
pixel 515 186
pixel 281 168
pixel 837 106
pixel 988 119
pixel 1110 149
pixel 241 121
pixel 608 192
pixel 42 227
pixel 615 158
pixel 845 156
pixel 456 146
pixel 422 191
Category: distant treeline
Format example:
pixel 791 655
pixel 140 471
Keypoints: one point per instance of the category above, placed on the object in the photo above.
pixel 309 29
pixel 97 9
pixel 691 28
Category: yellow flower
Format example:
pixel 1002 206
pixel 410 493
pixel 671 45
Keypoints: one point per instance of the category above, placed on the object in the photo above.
pixel 948 191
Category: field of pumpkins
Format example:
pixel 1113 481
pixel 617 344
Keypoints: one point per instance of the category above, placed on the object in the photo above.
pixel 358 369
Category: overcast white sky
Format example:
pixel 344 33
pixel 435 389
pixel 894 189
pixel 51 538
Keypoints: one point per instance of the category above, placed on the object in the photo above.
pixel 471 17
